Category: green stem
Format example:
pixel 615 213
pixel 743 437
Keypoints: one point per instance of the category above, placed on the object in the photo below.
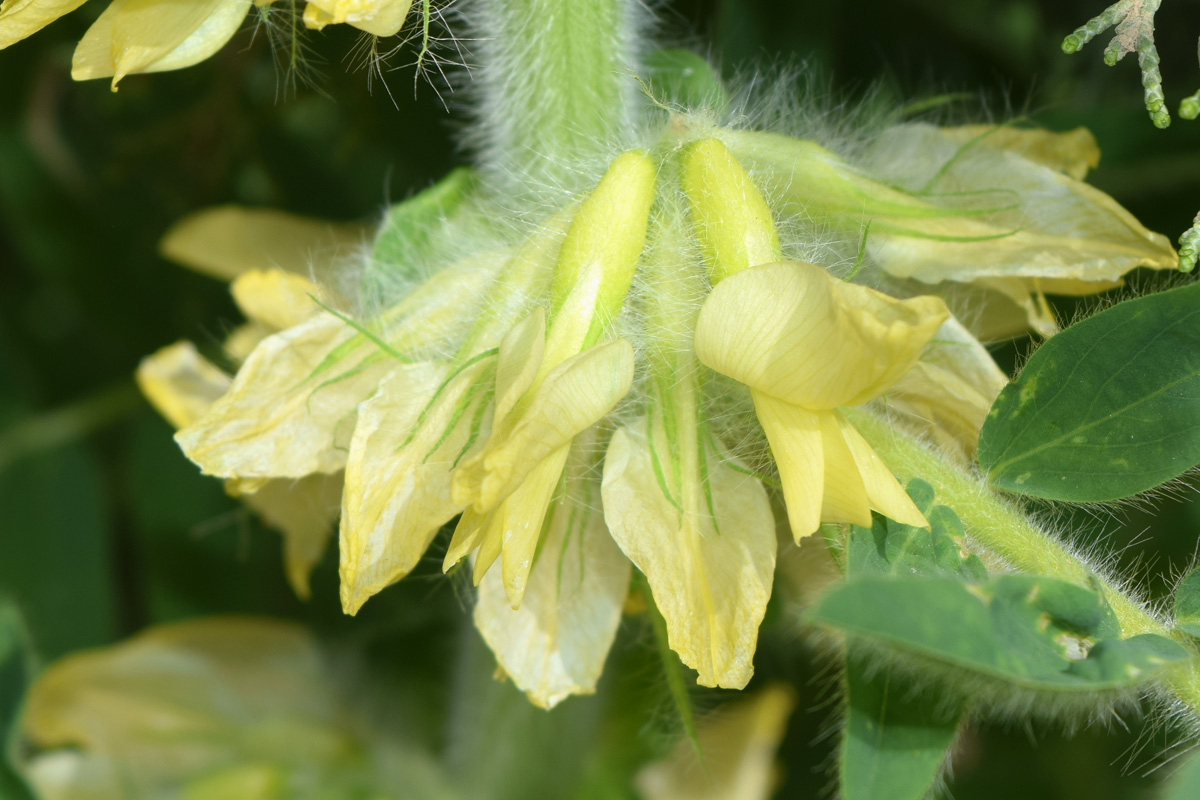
pixel 69 423
pixel 555 86
pixel 1006 532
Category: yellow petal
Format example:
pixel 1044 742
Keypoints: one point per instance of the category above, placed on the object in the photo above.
pixel 555 644
pixel 242 340
pixel 226 241
pixel 792 331
pixel 283 417
pixel 134 36
pixel 398 475
pixel 304 511
pixel 517 363
pixel 1073 152
pixel 575 395
pixel 180 383
pixel 884 492
pixel 1059 228
pixel 844 496
pixel 710 577
pixel 22 18
pixel 731 216
pixel 794 434
pixel 275 298
pixel 377 17
pixel 949 392
pixel 737 745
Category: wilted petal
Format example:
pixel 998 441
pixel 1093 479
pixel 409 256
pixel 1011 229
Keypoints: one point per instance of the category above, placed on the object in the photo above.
pixel 737 745
pixel 286 416
pixel 555 644
pixel 711 577
pixel 792 331
pixel 574 395
pixel 275 298
pixel 377 17
pixel 1073 152
pixel 1051 226
pixel 180 383
pixel 398 474
pixel 303 511
pixel 134 36
pixel 22 18
pixel 226 241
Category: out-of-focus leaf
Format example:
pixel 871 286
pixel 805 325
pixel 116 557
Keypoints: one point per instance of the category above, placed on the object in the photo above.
pixel 1187 604
pixel 1184 784
pixel 1025 631
pixel 16 672
pixel 1108 408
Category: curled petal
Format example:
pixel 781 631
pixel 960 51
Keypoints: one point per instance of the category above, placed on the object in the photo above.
pixel 792 331
pixel 226 241
pixel 133 36
pixel 398 475
pixel 555 644
pixel 710 570
pixel 22 18
pixel 575 395
pixel 180 383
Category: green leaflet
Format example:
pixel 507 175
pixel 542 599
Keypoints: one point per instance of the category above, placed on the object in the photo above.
pixel 16 672
pixel 1187 604
pixel 1106 409
pixel 1023 631
pixel 895 738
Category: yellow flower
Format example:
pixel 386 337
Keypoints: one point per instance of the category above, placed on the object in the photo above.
pixel 736 760
pixel 806 343
pixel 167 709
pixel 999 209
pixel 136 36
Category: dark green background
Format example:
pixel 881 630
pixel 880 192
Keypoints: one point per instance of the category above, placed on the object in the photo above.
pixel 105 528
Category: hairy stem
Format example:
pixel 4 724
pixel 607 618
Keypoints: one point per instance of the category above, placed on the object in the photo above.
pixel 1006 532
pixel 554 83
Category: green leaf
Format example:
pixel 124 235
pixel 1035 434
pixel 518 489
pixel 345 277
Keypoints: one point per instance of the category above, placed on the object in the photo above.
pixel 1108 408
pixel 410 226
pixel 1024 631
pixel 687 79
pixel 1187 604
pixel 891 548
pixel 895 738
pixel 1184 784
pixel 16 672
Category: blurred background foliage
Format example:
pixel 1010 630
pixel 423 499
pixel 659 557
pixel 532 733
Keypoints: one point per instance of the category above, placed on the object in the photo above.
pixel 107 528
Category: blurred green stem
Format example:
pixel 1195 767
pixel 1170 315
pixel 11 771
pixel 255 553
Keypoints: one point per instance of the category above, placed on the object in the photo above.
pixel 76 420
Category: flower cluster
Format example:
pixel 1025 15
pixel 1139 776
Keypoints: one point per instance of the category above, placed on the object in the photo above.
pixel 134 36
pixel 625 381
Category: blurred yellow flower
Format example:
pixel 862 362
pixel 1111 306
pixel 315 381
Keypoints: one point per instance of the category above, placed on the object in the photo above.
pixel 137 36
